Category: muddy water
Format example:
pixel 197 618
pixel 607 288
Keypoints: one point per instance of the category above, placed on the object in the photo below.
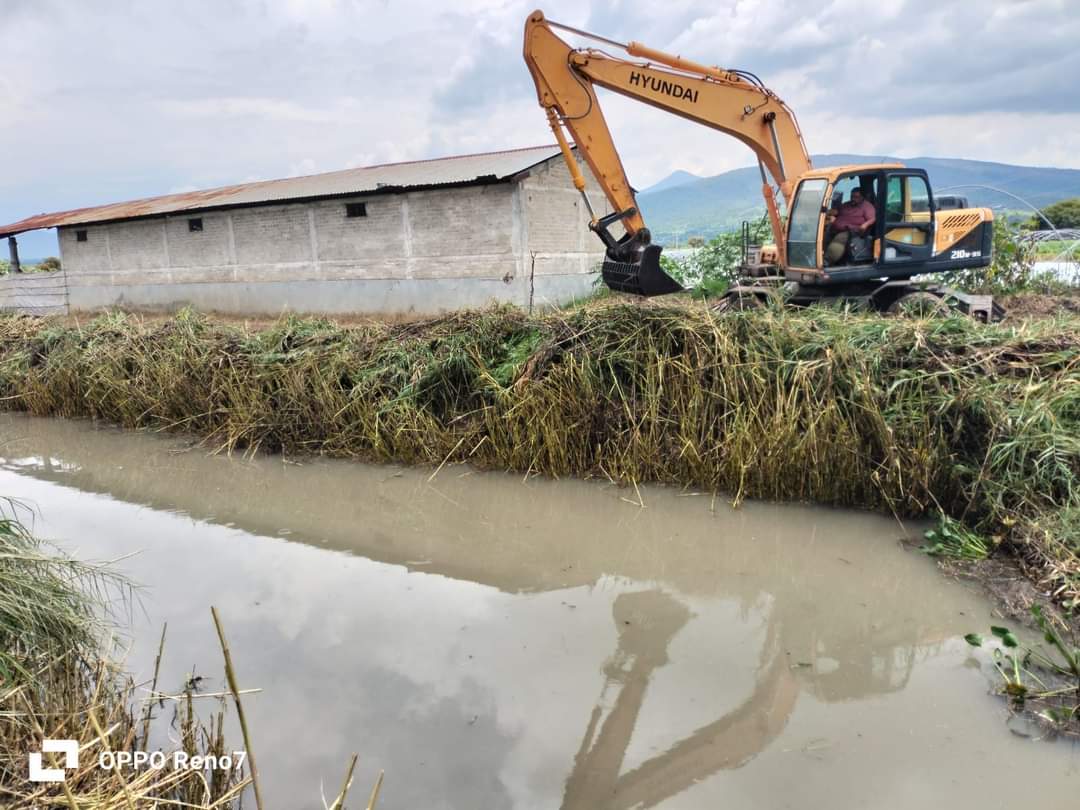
pixel 495 642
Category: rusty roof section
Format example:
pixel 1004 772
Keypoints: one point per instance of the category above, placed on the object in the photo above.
pixel 391 177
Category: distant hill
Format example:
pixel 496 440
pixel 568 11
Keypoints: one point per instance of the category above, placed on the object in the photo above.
pixel 706 206
pixel 676 178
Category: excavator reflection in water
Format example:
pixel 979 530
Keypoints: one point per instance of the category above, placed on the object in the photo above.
pixel 729 742
pixel 647 622
pixel 837 630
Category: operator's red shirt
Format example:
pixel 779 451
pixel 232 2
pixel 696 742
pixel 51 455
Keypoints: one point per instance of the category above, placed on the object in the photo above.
pixel 853 216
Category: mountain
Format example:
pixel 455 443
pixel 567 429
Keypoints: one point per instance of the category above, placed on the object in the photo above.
pixel 709 205
pixel 676 178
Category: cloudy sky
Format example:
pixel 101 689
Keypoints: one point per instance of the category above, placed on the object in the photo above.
pixel 119 99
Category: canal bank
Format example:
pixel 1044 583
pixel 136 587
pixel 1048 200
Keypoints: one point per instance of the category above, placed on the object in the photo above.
pixel 904 416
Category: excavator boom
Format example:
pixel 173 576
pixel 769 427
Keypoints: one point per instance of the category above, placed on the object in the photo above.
pixel 731 101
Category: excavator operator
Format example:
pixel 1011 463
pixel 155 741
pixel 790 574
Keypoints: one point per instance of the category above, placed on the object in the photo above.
pixel 854 217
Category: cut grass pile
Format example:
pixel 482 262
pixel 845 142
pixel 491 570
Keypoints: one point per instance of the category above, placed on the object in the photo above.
pixel 981 423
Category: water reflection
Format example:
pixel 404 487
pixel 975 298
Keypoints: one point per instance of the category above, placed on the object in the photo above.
pixel 494 642
pixel 646 622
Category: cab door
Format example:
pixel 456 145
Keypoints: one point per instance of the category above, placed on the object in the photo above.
pixel 804 225
pixel 909 218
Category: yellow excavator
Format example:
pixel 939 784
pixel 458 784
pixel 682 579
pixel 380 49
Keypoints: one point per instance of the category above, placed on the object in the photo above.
pixel 911 235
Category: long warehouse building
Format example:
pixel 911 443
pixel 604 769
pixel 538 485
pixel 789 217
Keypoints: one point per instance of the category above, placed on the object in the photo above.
pixel 398 239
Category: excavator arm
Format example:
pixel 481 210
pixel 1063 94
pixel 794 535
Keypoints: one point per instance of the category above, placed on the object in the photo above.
pixel 731 101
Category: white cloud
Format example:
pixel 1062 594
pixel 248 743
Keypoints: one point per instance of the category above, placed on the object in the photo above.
pixel 265 109
pixel 303 168
pixel 121 99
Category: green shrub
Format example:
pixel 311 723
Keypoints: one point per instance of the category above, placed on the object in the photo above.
pixel 1064 214
pixel 713 267
pixel 47 265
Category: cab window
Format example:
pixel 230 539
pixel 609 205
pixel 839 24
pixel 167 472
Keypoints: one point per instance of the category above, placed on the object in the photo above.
pixel 842 189
pixel 894 200
pixel 907 199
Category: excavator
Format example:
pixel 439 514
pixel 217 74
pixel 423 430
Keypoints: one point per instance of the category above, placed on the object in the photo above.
pixel 911 235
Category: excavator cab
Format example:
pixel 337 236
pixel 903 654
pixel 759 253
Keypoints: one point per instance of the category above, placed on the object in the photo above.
pixel 898 244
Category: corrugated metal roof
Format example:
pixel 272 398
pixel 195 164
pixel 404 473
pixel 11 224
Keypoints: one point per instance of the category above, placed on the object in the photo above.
pixel 461 169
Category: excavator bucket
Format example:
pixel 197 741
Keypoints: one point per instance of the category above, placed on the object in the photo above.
pixel 643 276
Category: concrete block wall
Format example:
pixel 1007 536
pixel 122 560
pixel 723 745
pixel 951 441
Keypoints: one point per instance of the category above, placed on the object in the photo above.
pixel 564 255
pixel 34 293
pixel 210 248
pixel 414 253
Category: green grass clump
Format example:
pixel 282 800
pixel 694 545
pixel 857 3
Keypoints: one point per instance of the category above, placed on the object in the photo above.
pixel 50 605
pixel 915 416
pixel 58 681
